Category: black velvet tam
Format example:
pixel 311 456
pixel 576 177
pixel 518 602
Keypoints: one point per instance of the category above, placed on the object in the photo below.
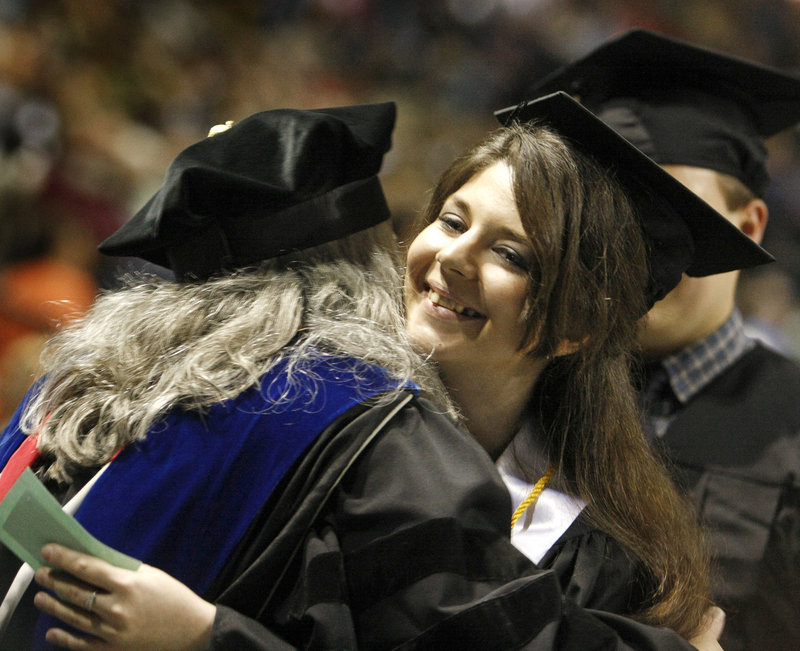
pixel 685 234
pixel 275 182
pixel 682 104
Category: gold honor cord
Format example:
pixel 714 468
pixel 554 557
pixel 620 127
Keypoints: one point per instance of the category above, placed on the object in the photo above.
pixel 532 497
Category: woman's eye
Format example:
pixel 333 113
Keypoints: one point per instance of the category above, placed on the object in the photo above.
pixel 451 222
pixel 513 258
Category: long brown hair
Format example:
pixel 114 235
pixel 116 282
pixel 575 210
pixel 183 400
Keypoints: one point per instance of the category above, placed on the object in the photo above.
pixel 588 286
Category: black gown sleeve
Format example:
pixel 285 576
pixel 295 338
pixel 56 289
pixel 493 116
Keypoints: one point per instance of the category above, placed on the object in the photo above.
pixel 412 552
pixel 596 572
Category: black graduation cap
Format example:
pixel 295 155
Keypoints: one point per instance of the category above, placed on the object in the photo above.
pixel 275 182
pixel 682 104
pixel 685 233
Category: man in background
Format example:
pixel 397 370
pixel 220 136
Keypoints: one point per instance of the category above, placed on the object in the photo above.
pixel 723 408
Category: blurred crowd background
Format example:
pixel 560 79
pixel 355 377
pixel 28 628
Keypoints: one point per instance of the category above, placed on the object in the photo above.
pixel 98 96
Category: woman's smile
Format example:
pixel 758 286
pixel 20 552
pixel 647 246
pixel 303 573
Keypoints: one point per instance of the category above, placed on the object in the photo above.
pixel 442 304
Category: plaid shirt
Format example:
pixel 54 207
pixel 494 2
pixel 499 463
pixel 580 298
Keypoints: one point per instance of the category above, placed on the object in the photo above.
pixel 679 377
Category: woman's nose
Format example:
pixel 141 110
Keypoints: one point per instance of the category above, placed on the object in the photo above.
pixel 458 256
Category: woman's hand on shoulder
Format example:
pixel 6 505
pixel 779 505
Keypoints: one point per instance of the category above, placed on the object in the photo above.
pixel 120 609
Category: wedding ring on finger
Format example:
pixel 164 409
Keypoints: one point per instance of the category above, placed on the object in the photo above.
pixel 90 601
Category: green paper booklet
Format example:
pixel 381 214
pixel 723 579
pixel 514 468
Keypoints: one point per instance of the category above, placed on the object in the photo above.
pixel 30 517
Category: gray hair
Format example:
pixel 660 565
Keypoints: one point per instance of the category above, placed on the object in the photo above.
pixel 156 345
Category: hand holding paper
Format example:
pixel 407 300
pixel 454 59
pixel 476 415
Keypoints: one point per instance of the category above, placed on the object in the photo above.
pixel 30 517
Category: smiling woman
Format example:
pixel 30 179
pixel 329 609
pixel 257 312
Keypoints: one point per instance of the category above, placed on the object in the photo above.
pixel 467 285
pixel 538 253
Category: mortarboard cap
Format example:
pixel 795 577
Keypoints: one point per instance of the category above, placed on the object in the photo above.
pixel 685 233
pixel 275 182
pixel 682 104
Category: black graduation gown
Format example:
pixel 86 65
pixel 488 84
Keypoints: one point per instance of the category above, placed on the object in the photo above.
pixel 391 531
pixel 736 450
pixel 595 571
pixel 410 551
